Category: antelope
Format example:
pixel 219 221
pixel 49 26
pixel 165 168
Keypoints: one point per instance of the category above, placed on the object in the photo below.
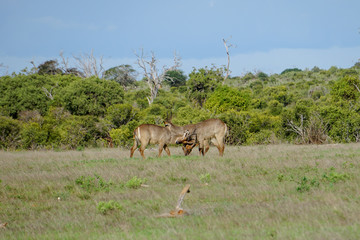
pixel 153 134
pixel 199 134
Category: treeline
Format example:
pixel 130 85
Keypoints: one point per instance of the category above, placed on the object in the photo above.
pixel 63 109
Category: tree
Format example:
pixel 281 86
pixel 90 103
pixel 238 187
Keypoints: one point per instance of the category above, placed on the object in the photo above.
pixel 291 70
pixel 69 70
pixel 262 76
pixel 89 65
pixel 153 77
pixel 202 82
pixel 227 46
pixel 49 67
pixel 123 74
pixel 175 78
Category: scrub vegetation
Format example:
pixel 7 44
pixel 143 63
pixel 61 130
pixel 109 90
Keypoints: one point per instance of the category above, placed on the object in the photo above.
pixel 49 108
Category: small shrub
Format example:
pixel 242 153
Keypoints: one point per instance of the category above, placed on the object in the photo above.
pixel 205 178
pixel 33 135
pixel 305 184
pixel 264 136
pixel 280 177
pixel 135 182
pixel 123 136
pixel 105 207
pixel 80 148
pixel 93 184
pixel 10 132
pixel 334 177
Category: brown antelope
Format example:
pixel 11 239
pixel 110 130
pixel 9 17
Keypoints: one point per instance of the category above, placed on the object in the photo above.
pixel 153 134
pixel 213 130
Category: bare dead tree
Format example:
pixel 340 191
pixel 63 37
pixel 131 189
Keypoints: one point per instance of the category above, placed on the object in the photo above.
pixel 227 46
pixel 64 61
pixel 153 77
pixel 64 66
pixel 314 132
pixel 299 130
pixel 88 64
pixel 317 130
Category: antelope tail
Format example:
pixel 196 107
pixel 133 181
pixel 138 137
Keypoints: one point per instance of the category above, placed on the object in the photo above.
pixel 137 136
pixel 226 132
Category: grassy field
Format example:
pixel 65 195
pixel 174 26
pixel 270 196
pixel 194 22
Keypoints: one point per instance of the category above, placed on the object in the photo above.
pixel 255 192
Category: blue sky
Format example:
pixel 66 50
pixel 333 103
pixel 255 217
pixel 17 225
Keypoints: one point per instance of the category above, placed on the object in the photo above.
pixel 266 35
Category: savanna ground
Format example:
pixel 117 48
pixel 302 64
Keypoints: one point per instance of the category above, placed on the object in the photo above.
pixel 253 192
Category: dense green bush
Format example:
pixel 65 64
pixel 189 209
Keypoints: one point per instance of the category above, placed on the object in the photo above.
pixel 251 127
pixel 33 135
pixel 137 98
pixel 347 88
pixel 175 78
pixel 343 121
pixel 64 111
pixel 202 82
pixel 226 98
pixel 31 92
pixel 188 114
pixel 123 136
pixel 90 96
pixel 120 114
pixel 9 132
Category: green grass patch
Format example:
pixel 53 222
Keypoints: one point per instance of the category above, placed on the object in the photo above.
pixel 253 192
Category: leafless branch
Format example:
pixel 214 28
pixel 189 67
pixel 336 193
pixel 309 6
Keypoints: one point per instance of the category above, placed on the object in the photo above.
pixel 314 132
pixel 227 46
pixel 64 61
pixel 298 129
pixel 88 64
pixel 49 93
pixel 153 78
pixel 356 86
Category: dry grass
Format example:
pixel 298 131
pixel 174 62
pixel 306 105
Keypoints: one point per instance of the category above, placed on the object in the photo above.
pixel 259 192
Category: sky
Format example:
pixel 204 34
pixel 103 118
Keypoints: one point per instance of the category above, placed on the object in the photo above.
pixel 263 35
